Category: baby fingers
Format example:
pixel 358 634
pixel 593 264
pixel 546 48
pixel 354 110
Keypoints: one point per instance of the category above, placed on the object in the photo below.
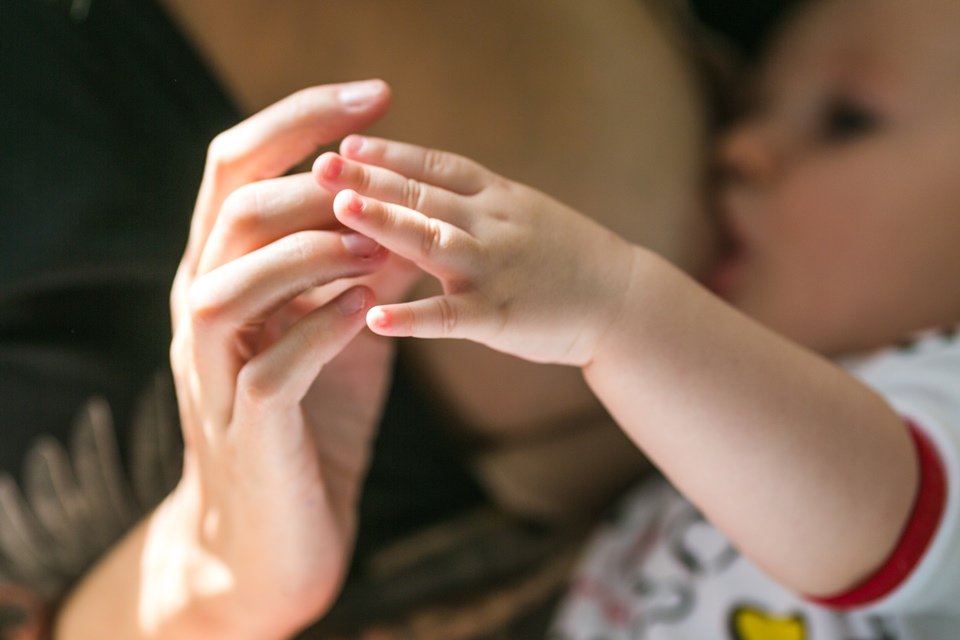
pixel 436 246
pixel 337 173
pixel 447 316
pixel 439 168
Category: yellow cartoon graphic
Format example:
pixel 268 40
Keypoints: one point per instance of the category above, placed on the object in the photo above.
pixel 751 623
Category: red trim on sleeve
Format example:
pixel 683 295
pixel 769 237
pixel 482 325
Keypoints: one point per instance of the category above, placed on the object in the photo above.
pixel 928 509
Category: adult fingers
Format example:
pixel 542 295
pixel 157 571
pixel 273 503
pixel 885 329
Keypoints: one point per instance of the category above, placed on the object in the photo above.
pixel 436 246
pixel 440 168
pixel 247 290
pixel 336 173
pixel 229 305
pixel 281 375
pixel 259 213
pixel 272 141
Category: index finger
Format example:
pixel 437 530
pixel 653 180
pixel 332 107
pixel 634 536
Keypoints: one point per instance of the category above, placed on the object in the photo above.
pixel 438 168
pixel 269 143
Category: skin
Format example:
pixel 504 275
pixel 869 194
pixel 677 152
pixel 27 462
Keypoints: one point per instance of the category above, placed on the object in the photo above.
pixel 844 236
pixel 280 390
pixel 845 223
pixel 834 451
pixel 606 81
pixel 279 397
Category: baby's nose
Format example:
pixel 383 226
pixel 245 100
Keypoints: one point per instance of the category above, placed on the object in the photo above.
pixel 747 154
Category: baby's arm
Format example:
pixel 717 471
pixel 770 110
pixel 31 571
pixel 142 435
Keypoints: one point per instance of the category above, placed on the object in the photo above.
pixel 809 473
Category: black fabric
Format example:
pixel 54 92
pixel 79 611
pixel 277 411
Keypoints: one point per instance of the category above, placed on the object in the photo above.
pixel 105 117
pixel 103 126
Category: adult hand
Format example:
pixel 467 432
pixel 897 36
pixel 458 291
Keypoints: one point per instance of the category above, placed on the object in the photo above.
pixel 278 395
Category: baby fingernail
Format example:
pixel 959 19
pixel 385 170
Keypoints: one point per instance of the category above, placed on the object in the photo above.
pixel 351 302
pixel 353 145
pixel 379 318
pixel 331 166
pixel 358 95
pixel 356 203
pixel 359 245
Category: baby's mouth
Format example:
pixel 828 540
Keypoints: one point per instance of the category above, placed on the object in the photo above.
pixel 725 274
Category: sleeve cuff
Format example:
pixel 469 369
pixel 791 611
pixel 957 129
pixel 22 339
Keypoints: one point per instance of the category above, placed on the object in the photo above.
pixel 928 509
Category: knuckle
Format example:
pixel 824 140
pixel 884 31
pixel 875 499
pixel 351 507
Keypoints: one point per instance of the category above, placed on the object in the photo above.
pixel 364 180
pixel 435 163
pixel 242 209
pixel 496 182
pixel 222 151
pixel 217 145
pixel 255 390
pixel 310 105
pixel 303 246
pixel 309 338
pixel 178 351
pixel 448 316
pixel 203 307
pixel 301 103
pixel 413 194
pixel 434 239
pixel 175 299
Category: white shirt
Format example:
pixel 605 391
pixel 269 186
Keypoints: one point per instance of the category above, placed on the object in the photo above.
pixel 658 571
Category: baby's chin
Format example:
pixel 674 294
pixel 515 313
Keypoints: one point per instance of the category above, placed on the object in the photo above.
pixel 726 273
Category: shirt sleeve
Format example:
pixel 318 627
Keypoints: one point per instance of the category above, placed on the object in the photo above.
pixel 915 538
pixel 922 383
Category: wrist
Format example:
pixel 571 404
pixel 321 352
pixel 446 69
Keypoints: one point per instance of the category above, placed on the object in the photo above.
pixel 187 590
pixel 619 327
pixel 154 585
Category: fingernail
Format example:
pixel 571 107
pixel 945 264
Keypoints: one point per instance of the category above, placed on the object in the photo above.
pixel 358 95
pixel 379 318
pixel 353 145
pixel 356 204
pixel 359 245
pixel 331 166
pixel 351 302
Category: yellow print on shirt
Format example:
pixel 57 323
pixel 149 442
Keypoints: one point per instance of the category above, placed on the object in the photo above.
pixel 751 623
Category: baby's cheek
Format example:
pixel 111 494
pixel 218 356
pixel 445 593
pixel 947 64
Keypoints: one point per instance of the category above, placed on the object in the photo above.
pixel 827 206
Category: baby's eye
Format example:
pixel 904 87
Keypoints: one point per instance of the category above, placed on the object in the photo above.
pixel 845 120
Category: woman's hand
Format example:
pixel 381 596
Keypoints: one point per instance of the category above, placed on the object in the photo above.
pixel 521 272
pixel 279 395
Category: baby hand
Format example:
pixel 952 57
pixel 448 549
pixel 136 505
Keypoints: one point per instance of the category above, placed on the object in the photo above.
pixel 521 273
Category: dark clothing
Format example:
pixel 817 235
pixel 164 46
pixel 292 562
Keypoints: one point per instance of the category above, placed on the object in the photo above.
pixel 105 117
pixel 747 23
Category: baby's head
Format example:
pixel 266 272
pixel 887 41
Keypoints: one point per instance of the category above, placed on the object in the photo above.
pixel 841 183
